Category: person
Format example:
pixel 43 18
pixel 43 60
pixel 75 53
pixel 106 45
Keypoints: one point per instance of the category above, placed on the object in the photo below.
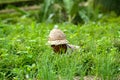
pixel 57 40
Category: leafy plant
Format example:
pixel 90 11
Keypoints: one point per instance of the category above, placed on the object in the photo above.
pixel 25 55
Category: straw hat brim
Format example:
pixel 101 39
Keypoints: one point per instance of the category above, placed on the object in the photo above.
pixel 57 42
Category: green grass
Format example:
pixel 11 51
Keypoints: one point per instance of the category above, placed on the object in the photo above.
pixel 10 1
pixel 24 54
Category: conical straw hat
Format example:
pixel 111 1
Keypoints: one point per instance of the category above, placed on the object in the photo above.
pixel 57 37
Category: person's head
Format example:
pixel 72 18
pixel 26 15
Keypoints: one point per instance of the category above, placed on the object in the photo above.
pixel 59 48
pixel 57 40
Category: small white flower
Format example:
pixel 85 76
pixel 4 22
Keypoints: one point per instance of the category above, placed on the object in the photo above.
pixel 55 26
pixel 119 69
pixel 27 76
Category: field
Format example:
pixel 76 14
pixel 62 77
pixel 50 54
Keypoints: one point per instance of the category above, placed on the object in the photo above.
pixel 24 54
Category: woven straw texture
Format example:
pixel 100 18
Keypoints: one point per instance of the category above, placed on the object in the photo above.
pixel 57 37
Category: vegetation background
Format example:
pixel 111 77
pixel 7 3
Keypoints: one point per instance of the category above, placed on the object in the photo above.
pixel 94 25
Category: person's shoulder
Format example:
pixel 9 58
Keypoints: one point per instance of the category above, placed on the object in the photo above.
pixel 72 48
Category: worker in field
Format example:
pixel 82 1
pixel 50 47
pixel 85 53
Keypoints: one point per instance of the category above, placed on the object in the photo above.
pixel 59 43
